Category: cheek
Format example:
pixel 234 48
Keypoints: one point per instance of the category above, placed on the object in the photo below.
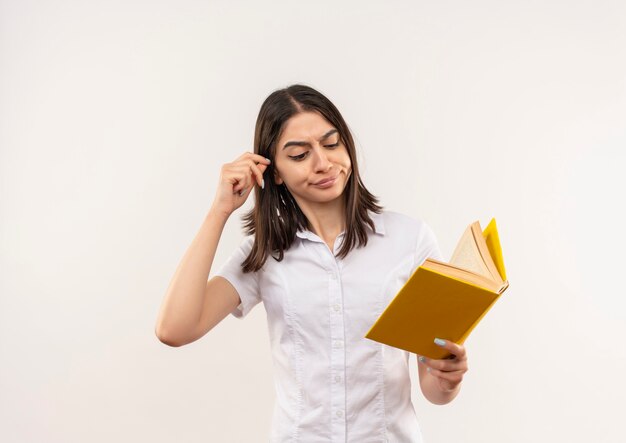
pixel 346 163
pixel 294 172
pixel 345 158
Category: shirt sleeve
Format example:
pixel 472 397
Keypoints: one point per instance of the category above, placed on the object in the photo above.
pixel 427 246
pixel 246 284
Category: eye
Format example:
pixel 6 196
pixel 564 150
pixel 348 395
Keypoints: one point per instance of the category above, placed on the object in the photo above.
pixel 298 157
pixel 301 156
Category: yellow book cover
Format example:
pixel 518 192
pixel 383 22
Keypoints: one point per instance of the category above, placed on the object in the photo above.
pixel 445 300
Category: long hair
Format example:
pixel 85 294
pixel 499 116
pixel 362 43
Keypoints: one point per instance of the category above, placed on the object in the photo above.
pixel 276 216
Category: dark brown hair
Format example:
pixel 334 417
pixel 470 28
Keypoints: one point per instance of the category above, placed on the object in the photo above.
pixel 276 216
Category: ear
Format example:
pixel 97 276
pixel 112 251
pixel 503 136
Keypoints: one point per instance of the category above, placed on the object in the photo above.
pixel 277 179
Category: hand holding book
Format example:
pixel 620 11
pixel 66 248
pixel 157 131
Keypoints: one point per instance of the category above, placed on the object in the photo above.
pixel 448 371
pixel 445 300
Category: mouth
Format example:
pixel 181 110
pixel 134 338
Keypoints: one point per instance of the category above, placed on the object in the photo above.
pixel 326 180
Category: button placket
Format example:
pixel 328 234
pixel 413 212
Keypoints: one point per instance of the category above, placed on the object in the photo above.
pixel 337 354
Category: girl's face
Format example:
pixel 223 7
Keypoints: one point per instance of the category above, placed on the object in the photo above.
pixel 309 151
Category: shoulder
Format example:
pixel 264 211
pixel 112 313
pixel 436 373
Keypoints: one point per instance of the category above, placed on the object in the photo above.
pixel 400 222
pixel 240 252
pixel 245 245
pixel 413 235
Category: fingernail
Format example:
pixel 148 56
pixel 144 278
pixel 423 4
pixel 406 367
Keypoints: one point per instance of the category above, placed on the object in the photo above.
pixel 422 358
pixel 440 342
pixel 262 183
pixel 428 369
pixel 268 159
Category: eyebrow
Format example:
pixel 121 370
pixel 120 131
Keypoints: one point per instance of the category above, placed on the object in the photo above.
pixel 296 143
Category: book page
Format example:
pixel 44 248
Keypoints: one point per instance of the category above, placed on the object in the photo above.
pixel 495 250
pixel 484 252
pixel 457 273
pixel 467 256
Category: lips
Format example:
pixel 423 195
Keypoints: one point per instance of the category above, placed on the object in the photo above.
pixel 321 182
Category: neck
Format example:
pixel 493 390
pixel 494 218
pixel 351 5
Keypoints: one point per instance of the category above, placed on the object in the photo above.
pixel 326 220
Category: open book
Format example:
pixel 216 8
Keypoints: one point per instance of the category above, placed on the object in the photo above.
pixel 445 300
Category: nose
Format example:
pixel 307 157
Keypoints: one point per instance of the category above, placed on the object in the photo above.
pixel 320 160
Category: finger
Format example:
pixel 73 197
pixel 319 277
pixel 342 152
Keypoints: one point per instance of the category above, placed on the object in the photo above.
pixel 242 188
pixel 244 192
pixel 251 170
pixel 240 181
pixel 457 350
pixel 255 157
pixel 444 364
pixel 256 171
pixel 241 176
pixel 456 376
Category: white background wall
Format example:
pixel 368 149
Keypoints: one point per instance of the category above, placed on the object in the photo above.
pixel 116 116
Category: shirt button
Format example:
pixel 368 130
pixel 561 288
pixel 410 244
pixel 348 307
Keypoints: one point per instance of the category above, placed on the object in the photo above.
pixel 336 308
pixel 337 378
pixel 332 275
pixel 340 413
pixel 338 344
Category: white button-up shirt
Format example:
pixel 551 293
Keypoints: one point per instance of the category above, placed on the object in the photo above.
pixel 332 384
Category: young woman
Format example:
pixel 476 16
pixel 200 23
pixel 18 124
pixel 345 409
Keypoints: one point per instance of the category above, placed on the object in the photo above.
pixel 325 259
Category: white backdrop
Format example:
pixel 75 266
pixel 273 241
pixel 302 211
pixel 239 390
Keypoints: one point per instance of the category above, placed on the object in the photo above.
pixel 115 118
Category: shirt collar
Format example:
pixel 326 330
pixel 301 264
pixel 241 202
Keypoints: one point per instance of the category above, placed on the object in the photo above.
pixel 376 218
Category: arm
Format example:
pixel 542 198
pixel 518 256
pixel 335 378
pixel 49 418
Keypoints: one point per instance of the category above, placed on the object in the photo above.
pixel 192 306
pixel 182 306
pixel 440 380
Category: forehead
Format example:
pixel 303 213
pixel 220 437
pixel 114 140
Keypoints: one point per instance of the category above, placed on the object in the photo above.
pixel 305 125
